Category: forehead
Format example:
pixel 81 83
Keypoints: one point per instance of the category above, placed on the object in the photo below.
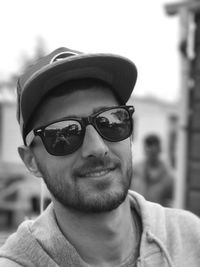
pixel 79 102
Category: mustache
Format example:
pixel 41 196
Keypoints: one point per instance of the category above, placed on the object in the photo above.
pixel 93 164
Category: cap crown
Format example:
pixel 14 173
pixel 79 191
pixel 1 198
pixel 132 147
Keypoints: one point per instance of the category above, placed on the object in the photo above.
pixel 65 64
pixel 54 57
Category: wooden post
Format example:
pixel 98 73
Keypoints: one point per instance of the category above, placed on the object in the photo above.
pixel 193 175
pixel 188 156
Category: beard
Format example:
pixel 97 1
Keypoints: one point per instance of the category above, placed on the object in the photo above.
pixel 100 197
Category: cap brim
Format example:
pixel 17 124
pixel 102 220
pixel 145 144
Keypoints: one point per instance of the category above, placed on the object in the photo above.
pixel 117 71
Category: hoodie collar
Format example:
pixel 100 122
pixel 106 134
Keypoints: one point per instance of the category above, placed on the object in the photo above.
pixel 154 234
pixel 47 232
pixel 153 238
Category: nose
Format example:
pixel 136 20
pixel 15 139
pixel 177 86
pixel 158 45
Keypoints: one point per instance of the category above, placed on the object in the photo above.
pixel 93 144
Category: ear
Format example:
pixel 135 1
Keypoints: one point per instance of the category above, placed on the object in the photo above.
pixel 29 160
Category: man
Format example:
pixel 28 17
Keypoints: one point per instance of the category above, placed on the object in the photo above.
pixel 152 178
pixel 77 137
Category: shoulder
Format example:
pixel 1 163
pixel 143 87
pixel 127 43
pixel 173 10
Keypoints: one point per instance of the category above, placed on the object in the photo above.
pixel 182 236
pixel 178 227
pixel 177 219
pixel 16 248
pixel 162 219
pixel 185 220
pixel 179 230
pixel 8 263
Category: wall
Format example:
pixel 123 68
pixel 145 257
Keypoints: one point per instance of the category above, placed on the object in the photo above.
pixel 11 138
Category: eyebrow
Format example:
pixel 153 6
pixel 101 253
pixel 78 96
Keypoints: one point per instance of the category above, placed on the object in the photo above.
pixel 95 110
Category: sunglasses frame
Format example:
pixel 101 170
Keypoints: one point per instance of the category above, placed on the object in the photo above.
pixel 84 122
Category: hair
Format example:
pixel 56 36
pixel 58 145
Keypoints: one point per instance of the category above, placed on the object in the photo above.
pixel 67 88
pixel 152 139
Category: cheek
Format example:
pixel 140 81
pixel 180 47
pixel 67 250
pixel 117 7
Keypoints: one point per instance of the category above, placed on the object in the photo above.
pixel 122 150
pixel 54 165
pixel 58 166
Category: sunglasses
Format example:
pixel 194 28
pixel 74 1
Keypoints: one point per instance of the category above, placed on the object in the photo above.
pixel 66 135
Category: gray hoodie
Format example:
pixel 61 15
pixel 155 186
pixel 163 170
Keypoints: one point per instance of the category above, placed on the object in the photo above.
pixel 170 237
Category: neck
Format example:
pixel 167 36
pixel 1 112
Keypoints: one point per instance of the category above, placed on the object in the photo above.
pixel 100 239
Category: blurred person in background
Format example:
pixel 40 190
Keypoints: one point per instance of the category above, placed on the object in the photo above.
pixel 152 177
pixel 77 132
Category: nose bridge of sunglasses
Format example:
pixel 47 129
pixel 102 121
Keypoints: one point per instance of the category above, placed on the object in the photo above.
pixel 88 121
pixel 92 137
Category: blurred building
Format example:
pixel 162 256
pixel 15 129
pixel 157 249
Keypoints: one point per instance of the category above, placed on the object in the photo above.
pixel 19 191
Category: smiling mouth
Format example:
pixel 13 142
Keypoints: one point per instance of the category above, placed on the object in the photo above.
pixel 97 173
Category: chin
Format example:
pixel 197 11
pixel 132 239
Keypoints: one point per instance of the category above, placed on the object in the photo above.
pixel 103 202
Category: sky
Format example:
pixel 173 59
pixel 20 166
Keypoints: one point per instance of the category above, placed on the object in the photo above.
pixel 137 29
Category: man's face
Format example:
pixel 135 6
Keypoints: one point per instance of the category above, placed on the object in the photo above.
pixel 97 176
pixel 152 152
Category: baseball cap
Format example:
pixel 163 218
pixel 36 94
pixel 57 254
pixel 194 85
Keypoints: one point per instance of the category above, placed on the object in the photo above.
pixel 63 65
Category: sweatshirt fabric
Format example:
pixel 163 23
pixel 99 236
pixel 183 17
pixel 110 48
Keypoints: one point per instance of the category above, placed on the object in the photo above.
pixel 170 238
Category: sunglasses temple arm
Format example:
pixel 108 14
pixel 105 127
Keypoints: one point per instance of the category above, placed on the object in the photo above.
pixel 42 189
pixel 29 138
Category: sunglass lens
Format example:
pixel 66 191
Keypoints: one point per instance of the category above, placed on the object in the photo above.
pixel 114 124
pixel 62 138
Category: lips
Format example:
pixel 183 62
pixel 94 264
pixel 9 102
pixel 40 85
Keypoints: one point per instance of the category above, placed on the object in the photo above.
pixel 96 167
pixel 96 172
